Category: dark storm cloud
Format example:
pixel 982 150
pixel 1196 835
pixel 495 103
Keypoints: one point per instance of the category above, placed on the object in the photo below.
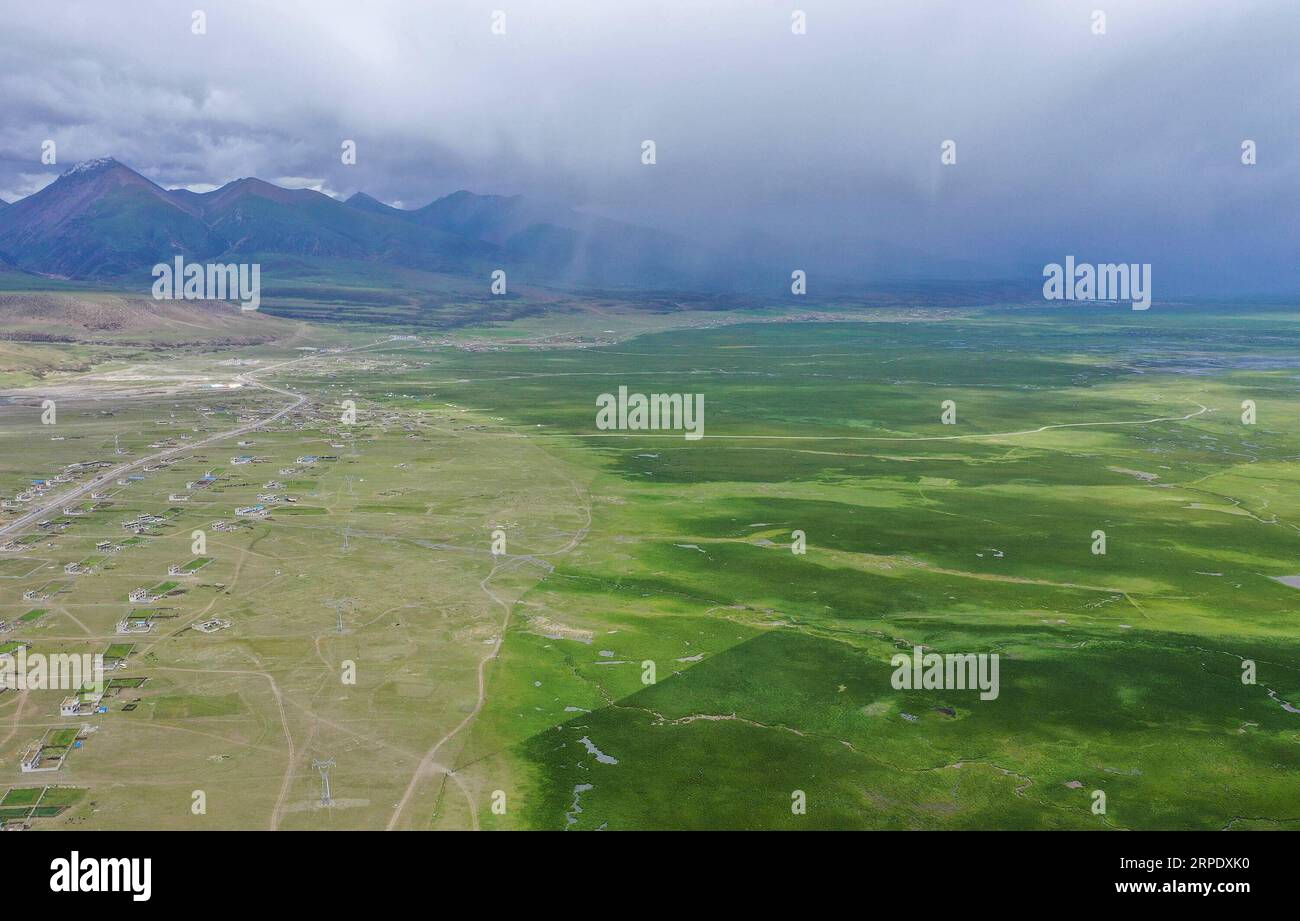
pixel 825 146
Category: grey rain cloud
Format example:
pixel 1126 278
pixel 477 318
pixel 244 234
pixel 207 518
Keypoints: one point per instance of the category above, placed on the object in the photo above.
pixel 821 148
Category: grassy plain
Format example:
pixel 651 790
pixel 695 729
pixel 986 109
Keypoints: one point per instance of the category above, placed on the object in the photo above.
pixel 1119 672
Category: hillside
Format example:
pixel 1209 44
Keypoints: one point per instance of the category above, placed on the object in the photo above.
pixel 123 319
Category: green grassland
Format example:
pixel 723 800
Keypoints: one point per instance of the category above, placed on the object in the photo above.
pixel 1119 672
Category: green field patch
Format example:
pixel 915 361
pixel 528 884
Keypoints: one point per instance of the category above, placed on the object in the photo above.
pixel 190 706
pixel 62 796
pixel 126 682
pixel 33 615
pixel 61 738
pixel 38 802
pixel 22 796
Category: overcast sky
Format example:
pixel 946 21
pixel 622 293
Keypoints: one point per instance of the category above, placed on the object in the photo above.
pixel 1124 146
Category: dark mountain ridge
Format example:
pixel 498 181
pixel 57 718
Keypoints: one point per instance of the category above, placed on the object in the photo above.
pixel 101 220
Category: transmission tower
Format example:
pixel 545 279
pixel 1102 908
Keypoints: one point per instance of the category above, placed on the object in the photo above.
pixel 324 768
pixel 338 604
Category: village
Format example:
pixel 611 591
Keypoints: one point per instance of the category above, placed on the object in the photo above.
pixel 145 550
pixel 150 605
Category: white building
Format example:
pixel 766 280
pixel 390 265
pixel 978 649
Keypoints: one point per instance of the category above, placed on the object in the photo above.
pixel 83 703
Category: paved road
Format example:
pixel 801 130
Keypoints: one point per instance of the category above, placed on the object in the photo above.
pixel 103 479
pixel 36 514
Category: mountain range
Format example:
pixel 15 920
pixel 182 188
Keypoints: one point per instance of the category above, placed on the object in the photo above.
pixel 103 221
